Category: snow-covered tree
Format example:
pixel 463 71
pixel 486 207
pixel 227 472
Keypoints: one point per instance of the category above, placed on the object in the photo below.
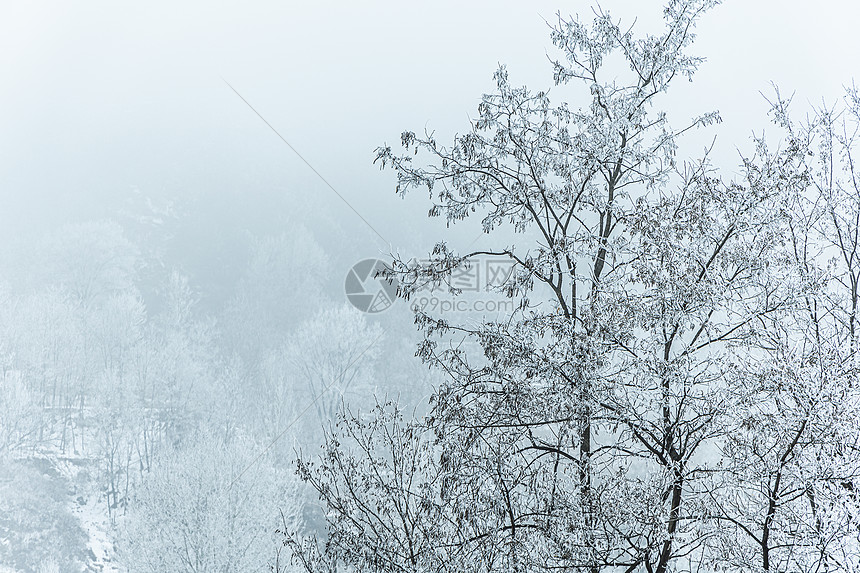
pixel 326 361
pixel 20 414
pixel 209 505
pixel 377 482
pixel 282 285
pixel 589 429
pixel 791 463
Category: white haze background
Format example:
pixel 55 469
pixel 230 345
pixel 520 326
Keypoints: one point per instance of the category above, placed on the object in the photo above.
pixel 120 141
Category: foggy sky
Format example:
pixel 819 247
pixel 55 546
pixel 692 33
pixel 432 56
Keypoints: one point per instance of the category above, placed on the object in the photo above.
pixel 102 99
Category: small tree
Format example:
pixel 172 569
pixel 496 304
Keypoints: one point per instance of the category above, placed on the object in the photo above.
pixel 325 362
pixel 378 481
pixel 20 415
pixel 208 506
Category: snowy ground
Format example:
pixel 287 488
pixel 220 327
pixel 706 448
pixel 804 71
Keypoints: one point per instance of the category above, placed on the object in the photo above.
pixel 85 503
pixel 52 499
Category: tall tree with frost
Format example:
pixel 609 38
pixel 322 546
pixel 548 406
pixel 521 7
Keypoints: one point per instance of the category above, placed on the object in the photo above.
pixel 606 298
pixel 578 433
pixel 786 499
